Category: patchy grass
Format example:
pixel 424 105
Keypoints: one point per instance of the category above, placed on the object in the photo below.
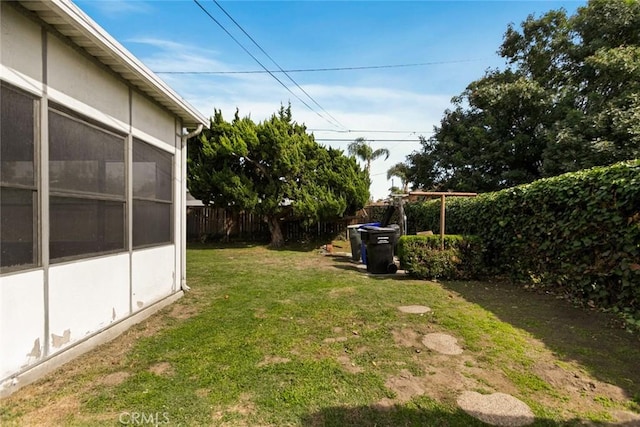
pixel 293 337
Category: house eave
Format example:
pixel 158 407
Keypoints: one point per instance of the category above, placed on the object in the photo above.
pixel 74 24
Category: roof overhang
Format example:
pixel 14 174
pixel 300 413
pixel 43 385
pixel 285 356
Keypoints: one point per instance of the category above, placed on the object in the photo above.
pixel 72 22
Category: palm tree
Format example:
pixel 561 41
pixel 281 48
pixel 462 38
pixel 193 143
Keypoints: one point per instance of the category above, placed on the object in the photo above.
pixel 401 170
pixel 362 150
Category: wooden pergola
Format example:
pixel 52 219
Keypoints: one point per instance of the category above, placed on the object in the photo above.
pixel 416 195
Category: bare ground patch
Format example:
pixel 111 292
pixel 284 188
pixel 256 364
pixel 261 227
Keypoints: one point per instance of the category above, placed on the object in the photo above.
pixel 331 340
pixel 162 369
pixel 183 311
pixel 243 408
pixel 348 365
pixel 115 378
pixel 53 412
pixel 272 360
pixel 581 392
pixel 406 337
pixel 344 291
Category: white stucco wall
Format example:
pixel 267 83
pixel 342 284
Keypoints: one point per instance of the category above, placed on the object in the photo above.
pixel 20 42
pixel 150 118
pixel 86 296
pixel 21 320
pixel 153 274
pixel 79 77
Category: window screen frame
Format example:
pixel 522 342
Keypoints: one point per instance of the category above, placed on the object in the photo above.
pixel 95 196
pixel 34 187
pixel 155 200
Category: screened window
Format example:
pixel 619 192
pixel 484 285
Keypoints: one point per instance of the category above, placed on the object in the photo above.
pixel 18 180
pixel 87 185
pixel 152 195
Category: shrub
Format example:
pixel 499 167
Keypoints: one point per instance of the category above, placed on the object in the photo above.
pixel 578 232
pixel 422 257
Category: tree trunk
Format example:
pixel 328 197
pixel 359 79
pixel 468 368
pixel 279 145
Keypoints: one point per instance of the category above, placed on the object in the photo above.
pixel 228 226
pixel 277 240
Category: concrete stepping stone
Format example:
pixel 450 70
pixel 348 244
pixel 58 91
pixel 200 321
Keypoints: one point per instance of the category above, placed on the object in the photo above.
pixel 442 343
pixel 414 309
pixel 497 409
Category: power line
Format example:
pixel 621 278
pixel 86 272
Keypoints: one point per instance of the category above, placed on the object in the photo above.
pixel 312 70
pixel 278 65
pixel 368 140
pixel 258 61
pixel 410 132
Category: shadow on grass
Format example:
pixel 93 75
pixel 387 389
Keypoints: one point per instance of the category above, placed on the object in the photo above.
pixel 592 338
pixel 375 415
pixel 292 247
pixel 343 262
pixel 223 245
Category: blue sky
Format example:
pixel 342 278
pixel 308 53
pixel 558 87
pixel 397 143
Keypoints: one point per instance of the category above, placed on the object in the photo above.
pixel 388 106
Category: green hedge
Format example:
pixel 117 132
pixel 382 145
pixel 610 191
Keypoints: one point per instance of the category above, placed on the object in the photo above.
pixel 421 256
pixel 578 232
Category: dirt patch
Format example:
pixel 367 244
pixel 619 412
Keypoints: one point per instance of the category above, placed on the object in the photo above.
pixel 115 378
pixel 202 392
pixel 260 313
pixel 162 369
pixel 313 263
pixel 272 360
pixel 52 413
pixel 486 379
pixel 183 311
pixel 414 309
pixel 442 343
pixel 581 391
pixel 348 365
pixel 339 292
pixel 405 386
pixel 575 383
pixel 498 409
pixel 629 419
pixel 331 340
pixel 406 337
pixel 244 407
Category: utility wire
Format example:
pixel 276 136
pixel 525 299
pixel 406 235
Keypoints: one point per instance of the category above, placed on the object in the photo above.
pixel 368 140
pixel 258 61
pixel 311 70
pixel 410 132
pixel 278 65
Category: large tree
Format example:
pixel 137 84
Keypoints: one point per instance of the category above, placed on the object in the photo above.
pixel 270 167
pixel 568 99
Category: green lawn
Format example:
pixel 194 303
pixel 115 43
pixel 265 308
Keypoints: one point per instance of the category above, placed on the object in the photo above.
pixel 293 337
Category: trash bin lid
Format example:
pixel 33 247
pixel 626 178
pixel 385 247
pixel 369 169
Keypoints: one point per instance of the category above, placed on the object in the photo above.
pixel 376 229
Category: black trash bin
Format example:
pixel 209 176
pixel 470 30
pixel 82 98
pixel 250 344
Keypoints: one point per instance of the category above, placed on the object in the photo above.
pixel 356 241
pixel 379 242
pixel 396 237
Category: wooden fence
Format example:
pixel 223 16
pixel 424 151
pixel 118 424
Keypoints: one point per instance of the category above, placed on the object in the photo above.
pixel 205 223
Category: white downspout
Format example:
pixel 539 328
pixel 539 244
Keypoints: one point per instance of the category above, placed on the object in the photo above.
pixel 183 216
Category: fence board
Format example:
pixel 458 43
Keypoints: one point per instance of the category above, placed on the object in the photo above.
pixel 208 223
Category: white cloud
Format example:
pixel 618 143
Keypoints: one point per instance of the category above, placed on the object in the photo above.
pixel 169 55
pixel 118 7
pixel 359 107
